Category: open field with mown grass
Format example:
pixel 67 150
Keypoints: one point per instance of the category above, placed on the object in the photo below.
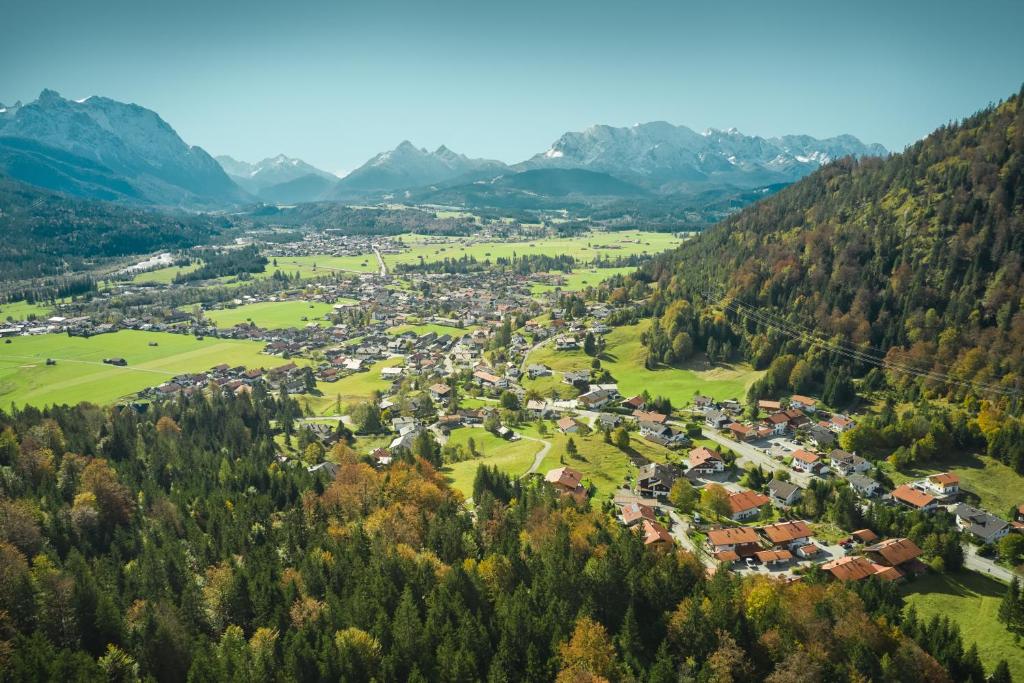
pixel 22 310
pixel 584 248
pixel 321 265
pixel 424 328
pixel 582 278
pixel 511 457
pixel 999 487
pixel 164 275
pixel 603 465
pixel 273 315
pixel 624 358
pixel 80 374
pixel 972 601
pixel 356 387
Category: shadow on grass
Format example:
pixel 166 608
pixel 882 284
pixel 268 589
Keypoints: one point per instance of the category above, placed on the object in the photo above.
pixel 960 584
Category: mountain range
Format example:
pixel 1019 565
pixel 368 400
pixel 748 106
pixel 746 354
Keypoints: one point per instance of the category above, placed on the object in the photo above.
pixel 104 149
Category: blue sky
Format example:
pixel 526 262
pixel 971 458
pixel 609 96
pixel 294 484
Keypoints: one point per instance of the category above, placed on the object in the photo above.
pixel 334 82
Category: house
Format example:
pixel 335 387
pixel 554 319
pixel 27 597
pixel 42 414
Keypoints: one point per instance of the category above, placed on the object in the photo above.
pixel 568 425
pixel 856 568
pixel 655 535
pixel 656 418
pixel 840 423
pixel 655 479
pixel 864 536
pixel 633 513
pixel 577 378
pixel 663 434
pixel 845 464
pixel 731 543
pixel 746 504
pixel 716 419
pixel 543 409
pixel 566 481
pixel 806 551
pixel 943 485
pixel 536 370
pixel 783 493
pixel 769 406
pixel 740 432
pixel 984 526
pixel 595 399
pixel 703 403
pixel 901 553
pixel 788 534
pixel 778 423
pixel 913 498
pixel 486 379
pixel 705 461
pixel 440 392
pixel 864 485
pixel 797 420
pixel 609 420
pixel 803 403
pixel 635 403
pixel 565 342
pixel 821 437
pixel 805 461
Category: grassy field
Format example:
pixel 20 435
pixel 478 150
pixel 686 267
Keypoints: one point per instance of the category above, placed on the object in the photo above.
pixel 164 275
pixel 585 247
pixel 581 279
pixel 624 358
pixel 998 486
pixel 511 457
pixel 356 387
pixel 603 465
pixel 21 310
pixel 972 601
pixel 319 266
pixel 273 315
pixel 431 327
pixel 80 374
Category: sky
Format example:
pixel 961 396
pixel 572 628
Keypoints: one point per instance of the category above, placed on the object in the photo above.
pixel 335 82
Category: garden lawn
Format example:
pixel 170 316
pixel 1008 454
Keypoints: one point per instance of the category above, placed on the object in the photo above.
pixel 511 457
pixel 624 357
pixel 273 315
pixel 164 275
pixel 972 601
pixel 80 374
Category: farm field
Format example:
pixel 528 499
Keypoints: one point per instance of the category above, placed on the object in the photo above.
pixel 999 487
pixel 512 457
pixel 584 247
pixel 80 374
pixel 21 310
pixel 582 278
pixel 273 315
pixel 972 601
pixel 624 359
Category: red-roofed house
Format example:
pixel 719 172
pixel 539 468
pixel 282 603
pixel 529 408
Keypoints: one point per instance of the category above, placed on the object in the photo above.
pixel 803 403
pixel 738 540
pixel 944 484
pixel 911 497
pixel 805 461
pixel 566 481
pixel 706 461
pixel 746 504
pixel 655 535
pixel 637 512
pixel 788 534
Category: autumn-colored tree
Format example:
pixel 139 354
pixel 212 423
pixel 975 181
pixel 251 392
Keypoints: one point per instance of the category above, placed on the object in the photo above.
pixel 715 500
pixel 589 654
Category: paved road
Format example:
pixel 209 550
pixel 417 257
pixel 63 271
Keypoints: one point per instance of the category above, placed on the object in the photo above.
pixel 747 453
pixel 380 261
pixel 537 459
pixel 679 530
pixel 985 566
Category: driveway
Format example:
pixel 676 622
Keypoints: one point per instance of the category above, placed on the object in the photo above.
pixel 985 566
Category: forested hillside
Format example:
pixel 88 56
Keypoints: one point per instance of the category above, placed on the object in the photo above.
pixel 174 545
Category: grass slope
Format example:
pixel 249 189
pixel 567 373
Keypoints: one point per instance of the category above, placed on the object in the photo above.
pixel 21 310
pixel 512 457
pixel 80 374
pixel 972 601
pixel 273 315
pixel 999 487
pixel 356 387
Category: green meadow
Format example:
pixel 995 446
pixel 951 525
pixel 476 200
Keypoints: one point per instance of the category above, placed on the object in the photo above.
pixel 80 374
pixel 624 358
pixel 972 601
pixel 273 315
pixel 358 386
pixel 422 329
pixel 582 278
pixel 512 457
pixel 22 310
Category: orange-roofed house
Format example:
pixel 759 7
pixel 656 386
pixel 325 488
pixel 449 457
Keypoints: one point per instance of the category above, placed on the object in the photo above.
pixel 856 568
pixel 803 403
pixel 746 504
pixel 568 425
pixel 912 498
pixel 736 540
pixel 944 484
pixel 788 534
pixel 632 513
pixel 770 558
pixel 567 481
pixel 703 460
pixel 741 432
pixel 805 461
pixel 655 535
pixel 894 552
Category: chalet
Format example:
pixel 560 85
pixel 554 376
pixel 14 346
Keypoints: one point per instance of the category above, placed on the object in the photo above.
pixel 913 498
pixel 864 536
pixel 840 423
pixel 943 485
pixel 857 568
pixel 778 423
pixel 740 432
pixel 821 437
pixel 705 461
pixel 595 399
pixel 864 485
pixel 543 409
pixel 635 403
pixel 783 493
pixel 609 420
pixel 577 378
pixel 566 481
pixel 486 379
pixel 746 504
pixel 797 420
pixel 772 558
pixel 769 406
pixel 716 419
pixel 803 403
pixel 655 479
pixel 440 392
pixel 805 461
pixel 565 342
pixel 900 553
pixel 381 456
pixel 731 543
pixel 845 464
pixel 633 513
pixel 703 403
pixel 655 535
pixel 656 418
pixel 984 526
pixel 788 534
pixel 806 551
pixel 568 425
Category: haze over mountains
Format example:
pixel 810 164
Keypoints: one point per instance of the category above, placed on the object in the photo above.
pixel 103 149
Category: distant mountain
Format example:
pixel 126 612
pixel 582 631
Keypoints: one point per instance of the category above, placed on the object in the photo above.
pixel 101 148
pixel 280 178
pixel 407 166
pixel 672 158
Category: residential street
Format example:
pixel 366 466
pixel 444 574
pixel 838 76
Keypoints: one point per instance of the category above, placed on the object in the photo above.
pixel 746 453
pixel 985 566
